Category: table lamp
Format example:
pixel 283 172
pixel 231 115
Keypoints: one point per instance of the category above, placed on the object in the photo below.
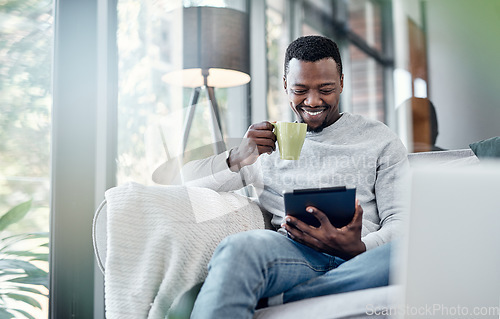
pixel 215 55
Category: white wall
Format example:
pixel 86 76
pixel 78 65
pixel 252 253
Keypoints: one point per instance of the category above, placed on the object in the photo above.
pixel 464 69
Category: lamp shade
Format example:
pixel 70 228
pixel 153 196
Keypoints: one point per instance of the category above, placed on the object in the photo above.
pixel 215 42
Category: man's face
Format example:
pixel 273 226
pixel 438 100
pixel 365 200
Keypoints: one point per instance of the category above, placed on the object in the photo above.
pixel 313 89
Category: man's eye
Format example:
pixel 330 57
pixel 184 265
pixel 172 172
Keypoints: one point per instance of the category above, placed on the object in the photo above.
pixel 299 92
pixel 327 91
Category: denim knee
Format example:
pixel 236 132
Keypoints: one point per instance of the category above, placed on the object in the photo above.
pixel 250 240
pixel 244 246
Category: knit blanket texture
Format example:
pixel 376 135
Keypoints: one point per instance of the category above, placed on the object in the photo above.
pixel 160 240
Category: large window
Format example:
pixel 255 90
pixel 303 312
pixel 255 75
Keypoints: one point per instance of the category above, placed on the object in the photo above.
pixel 365 20
pixel 367 74
pixel 143 100
pixel 367 80
pixel 26 37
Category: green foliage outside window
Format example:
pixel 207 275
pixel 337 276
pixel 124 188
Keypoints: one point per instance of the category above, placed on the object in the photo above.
pixel 23 264
pixel 25 101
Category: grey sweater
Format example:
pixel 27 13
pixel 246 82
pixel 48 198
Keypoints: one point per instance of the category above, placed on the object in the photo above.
pixel 353 151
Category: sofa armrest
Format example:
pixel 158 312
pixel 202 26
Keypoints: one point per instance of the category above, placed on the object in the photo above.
pixel 451 157
pixel 99 238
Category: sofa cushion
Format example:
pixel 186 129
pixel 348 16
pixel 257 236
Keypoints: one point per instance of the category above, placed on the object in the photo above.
pixel 367 303
pixel 489 148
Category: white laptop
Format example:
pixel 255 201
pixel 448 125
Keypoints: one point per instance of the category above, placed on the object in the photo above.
pixel 451 256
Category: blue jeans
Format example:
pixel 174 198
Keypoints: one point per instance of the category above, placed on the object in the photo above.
pixel 259 264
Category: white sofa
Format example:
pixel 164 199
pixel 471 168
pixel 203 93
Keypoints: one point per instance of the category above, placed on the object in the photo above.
pixel 346 305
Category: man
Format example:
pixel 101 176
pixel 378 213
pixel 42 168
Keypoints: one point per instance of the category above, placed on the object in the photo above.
pixel 340 149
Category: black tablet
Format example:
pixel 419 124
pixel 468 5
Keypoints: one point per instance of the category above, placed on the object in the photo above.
pixel 338 203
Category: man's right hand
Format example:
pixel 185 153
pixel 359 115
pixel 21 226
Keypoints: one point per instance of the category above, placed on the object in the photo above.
pixel 258 139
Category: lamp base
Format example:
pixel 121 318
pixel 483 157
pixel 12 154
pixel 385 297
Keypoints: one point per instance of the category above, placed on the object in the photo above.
pixel 216 128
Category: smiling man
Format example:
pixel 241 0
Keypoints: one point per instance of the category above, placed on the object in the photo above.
pixel 260 267
pixel 314 86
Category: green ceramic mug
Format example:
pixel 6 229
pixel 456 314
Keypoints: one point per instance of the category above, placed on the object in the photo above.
pixel 290 138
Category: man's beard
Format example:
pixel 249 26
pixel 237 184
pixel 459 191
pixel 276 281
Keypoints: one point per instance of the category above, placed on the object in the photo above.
pixel 318 129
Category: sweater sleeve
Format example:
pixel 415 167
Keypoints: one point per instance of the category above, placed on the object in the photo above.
pixel 214 173
pixel 390 191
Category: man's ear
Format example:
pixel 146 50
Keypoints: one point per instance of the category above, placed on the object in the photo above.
pixel 341 83
pixel 284 82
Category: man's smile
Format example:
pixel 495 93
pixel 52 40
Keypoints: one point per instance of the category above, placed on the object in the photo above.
pixel 313 113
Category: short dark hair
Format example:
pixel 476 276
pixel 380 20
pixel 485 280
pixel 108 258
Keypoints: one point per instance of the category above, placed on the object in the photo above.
pixel 312 48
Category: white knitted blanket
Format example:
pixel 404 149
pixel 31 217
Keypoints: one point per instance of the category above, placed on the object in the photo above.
pixel 160 240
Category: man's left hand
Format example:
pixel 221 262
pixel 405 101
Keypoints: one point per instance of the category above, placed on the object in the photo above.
pixel 343 242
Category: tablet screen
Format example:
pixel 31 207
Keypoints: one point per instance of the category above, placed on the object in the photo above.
pixel 338 203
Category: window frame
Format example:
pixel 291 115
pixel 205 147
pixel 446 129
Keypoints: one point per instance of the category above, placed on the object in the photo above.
pixel 83 150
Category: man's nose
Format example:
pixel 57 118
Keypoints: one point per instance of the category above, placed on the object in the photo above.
pixel 313 99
